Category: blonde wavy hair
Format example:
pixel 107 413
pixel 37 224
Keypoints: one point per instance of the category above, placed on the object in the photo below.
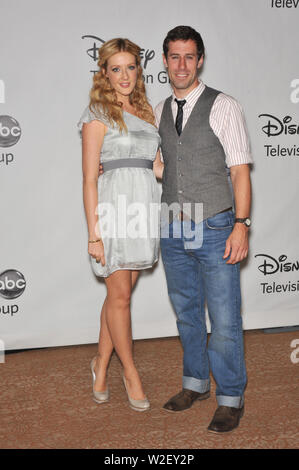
pixel 103 96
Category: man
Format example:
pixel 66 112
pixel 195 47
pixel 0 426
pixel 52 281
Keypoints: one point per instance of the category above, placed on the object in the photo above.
pixel 203 134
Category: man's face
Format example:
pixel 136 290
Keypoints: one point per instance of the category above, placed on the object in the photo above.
pixel 182 64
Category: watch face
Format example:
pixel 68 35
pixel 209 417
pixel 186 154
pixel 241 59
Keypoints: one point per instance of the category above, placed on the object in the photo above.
pixel 247 222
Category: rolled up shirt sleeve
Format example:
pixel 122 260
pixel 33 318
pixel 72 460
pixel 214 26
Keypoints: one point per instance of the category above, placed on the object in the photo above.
pixel 228 123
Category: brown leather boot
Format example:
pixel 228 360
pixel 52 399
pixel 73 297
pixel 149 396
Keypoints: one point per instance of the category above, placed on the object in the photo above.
pixel 225 419
pixel 184 400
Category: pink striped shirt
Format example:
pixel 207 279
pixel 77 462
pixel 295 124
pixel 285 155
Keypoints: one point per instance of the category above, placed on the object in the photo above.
pixel 226 119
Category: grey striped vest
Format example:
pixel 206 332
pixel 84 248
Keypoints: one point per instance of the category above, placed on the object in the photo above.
pixel 195 169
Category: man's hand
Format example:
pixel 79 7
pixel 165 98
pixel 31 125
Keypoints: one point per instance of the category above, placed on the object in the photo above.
pixel 237 244
pixel 100 169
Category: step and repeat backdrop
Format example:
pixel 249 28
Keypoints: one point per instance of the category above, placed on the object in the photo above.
pixel 49 295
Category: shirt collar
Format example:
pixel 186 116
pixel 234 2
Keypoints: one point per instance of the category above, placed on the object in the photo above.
pixel 193 95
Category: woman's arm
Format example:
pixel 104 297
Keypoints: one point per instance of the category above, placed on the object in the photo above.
pixel 92 140
pixel 158 166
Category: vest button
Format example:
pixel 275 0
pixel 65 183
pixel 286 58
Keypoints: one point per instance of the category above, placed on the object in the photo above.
pixel 179 159
pixel 180 191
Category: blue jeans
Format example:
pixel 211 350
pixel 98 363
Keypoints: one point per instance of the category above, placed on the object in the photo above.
pixel 196 272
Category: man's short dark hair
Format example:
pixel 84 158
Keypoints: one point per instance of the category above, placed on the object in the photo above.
pixel 184 33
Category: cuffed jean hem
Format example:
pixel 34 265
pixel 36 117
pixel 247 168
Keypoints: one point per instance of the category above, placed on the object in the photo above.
pixel 196 385
pixel 234 402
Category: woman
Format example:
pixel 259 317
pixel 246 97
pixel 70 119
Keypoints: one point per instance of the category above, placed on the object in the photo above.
pixel 118 131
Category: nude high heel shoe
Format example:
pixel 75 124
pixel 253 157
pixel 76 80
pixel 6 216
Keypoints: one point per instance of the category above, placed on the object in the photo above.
pixel 137 405
pixel 99 397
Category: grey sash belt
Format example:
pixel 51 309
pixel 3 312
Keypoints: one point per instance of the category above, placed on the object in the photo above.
pixel 127 162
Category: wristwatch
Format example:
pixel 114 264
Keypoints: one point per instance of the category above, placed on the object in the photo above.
pixel 245 221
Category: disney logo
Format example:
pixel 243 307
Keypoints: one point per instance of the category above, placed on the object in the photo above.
pixel 93 51
pixel 271 266
pixel 275 126
pixel 145 54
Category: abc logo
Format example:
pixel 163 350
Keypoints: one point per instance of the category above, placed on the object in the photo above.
pixel 10 131
pixel 12 284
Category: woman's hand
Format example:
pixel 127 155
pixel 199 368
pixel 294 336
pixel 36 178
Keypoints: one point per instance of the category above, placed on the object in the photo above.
pixel 158 166
pixel 96 250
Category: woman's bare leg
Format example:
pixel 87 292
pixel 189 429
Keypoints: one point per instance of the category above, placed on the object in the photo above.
pixel 105 349
pixel 118 318
pixel 105 346
pixel 133 381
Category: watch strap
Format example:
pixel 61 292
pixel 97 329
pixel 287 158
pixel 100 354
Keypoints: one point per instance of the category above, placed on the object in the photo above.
pixel 246 221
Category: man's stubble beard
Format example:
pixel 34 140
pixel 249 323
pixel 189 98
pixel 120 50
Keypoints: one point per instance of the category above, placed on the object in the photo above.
pixel 181 86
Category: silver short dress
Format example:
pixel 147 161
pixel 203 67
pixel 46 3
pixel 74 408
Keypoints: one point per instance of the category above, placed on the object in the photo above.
pixel 128 195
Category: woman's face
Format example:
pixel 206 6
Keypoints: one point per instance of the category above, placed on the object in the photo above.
pixel 122 73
